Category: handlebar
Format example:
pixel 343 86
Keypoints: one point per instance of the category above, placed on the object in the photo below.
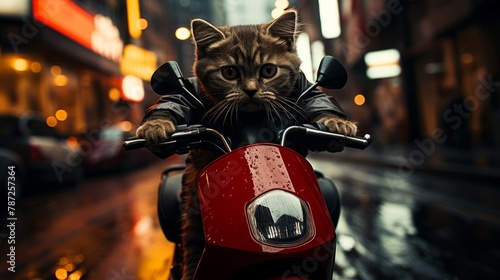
pixel 185 139
pixel 195 137
pixel 349 141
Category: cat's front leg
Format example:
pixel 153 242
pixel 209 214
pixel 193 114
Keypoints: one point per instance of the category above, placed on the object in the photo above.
pixel 338 125
pixel 156 130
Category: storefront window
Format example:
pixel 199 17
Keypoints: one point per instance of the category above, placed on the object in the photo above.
pixel 71 98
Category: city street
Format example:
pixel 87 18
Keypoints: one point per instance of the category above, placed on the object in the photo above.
pixel 419 227
pixel 419 78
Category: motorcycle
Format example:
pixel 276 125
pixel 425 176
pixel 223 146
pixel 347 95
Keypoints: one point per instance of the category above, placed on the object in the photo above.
pixel 267 214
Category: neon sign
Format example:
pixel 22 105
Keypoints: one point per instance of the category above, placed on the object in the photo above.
pixel 95 32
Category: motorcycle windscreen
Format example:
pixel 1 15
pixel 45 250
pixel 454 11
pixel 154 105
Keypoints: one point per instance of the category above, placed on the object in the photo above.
pixel 263 198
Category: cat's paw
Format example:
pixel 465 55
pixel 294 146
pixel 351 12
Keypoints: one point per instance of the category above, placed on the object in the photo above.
pixel 340 126
pixel 156 130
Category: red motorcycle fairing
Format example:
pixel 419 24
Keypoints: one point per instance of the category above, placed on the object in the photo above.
pixel 229 184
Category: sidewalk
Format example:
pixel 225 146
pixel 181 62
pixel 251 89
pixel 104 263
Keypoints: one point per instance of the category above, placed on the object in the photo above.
pixel 475 165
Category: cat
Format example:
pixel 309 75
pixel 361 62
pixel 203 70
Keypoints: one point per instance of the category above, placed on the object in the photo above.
pixel 247 70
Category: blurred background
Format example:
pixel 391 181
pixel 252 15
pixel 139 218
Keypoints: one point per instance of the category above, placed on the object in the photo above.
pixel 423 81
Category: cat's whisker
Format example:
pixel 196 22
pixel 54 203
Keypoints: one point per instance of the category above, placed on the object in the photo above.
pixel 234 115
pixel 216 111
pixel 228 111
pixel 275 111
pixel 269 112
pixel 282 109
pixel 212 110
pixel 287 101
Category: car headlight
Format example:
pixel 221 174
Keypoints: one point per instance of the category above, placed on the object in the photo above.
pixel 279 218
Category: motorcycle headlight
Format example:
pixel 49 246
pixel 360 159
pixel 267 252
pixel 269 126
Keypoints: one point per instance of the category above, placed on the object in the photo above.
pixel 280 218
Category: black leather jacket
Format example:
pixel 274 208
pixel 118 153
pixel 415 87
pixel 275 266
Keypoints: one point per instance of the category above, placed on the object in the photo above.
pixel 175 105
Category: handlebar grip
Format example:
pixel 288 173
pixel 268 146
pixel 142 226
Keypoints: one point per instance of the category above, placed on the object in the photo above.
pixel 355 142
pixel 358 142
pixel 138 143
pixel 133 144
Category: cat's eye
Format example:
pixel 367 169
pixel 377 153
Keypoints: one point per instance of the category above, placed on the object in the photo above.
pixel 268 70
pixel 230 72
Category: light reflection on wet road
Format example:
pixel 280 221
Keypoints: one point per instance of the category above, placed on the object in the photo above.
pixel 105 229
pixel 419 228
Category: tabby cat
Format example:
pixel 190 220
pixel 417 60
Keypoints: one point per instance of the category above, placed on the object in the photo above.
pixel 242 71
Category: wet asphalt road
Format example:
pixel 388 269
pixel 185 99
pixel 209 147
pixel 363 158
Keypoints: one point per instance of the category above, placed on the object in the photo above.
pixel 104 229
pixel 414 227
pixel 391 227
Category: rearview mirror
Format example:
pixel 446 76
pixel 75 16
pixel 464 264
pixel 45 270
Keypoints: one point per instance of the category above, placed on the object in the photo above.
pixel 168 79
pixel 331 74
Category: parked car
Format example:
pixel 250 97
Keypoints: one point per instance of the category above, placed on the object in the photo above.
pixel 45 156
pixel 103 153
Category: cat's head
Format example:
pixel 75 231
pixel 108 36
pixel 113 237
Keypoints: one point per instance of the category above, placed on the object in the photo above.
pixel 249 66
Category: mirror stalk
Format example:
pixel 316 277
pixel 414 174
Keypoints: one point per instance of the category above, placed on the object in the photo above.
pixel 304 94
pixel 191 96
pixel 331 75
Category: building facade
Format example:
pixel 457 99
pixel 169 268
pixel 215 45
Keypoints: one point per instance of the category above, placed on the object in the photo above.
pixel 449 69
pixel 67 61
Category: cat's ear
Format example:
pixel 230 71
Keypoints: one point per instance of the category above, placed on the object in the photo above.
pixel 284 27
pixel 204 35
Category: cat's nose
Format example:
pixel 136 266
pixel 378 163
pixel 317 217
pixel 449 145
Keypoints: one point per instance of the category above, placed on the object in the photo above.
pixel 251 92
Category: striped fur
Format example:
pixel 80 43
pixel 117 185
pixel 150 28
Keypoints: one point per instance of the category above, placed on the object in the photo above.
pixel 248 49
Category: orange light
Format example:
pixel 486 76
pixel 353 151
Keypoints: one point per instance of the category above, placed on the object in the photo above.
pixel 359 99
pixel 142 23
pixel 75 275
pixel 69 267
pixel 72 142
pixel 61 273
pixel 61 115
pixel 138 62
pixel 51 121
pixel 55 70
pixel 133 15
pixel 20 64
pixel 36 67
pixel 126 126
pixel 114 94
pixel 60 80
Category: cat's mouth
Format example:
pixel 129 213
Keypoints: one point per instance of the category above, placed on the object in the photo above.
pixel 251 105
pixel 256 102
